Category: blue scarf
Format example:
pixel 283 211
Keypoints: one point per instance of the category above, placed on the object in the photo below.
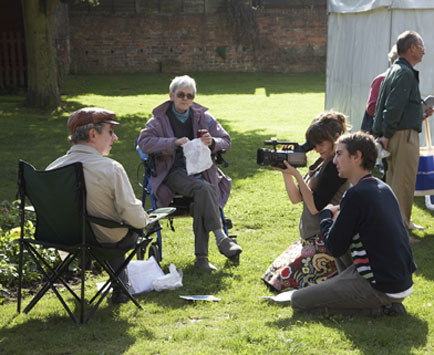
pixel 181 116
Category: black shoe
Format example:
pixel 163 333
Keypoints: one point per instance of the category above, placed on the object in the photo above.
pixel 394 309
pixel 119 297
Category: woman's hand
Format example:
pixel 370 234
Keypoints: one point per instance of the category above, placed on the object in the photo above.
pixel 181 141
pixel 288 170
pixel 206 139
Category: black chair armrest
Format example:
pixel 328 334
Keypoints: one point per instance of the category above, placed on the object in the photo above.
pixel 154 216
pixel 219 160
pixel 107 223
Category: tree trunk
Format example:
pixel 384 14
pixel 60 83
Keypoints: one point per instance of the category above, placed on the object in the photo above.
pixel 42 84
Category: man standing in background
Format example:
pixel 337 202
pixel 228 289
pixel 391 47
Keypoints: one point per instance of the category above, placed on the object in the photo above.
pixel 398 121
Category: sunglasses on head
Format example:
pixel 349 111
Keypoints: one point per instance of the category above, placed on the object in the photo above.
pixel 182 94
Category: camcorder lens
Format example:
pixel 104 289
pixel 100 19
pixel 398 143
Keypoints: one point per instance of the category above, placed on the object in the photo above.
pixel 296 156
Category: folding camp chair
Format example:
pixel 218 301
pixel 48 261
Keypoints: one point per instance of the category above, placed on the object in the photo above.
pixel 58 197
pixel 179 202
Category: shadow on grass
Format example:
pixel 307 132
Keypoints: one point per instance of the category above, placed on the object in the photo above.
pixel 207 84
pixel 422 250
pixel 57 334
pixel 422 253
pixel 195 282
pixel 394 335
pixel 40 137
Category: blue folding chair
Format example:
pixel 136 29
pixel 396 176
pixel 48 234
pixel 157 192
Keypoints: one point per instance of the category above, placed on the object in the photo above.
pixel 181 203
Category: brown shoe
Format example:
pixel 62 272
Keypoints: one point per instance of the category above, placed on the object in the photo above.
pixel 229 248
pixel 204 264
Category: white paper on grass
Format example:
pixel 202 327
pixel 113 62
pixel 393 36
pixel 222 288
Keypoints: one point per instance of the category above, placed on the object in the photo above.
pixel 142 274
pixel 197 156
pixel 200 298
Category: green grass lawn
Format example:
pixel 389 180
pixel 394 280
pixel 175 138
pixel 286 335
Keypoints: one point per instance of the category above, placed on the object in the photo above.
pixel 253 108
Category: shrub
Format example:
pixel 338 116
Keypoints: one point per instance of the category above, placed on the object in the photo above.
pixel 10 248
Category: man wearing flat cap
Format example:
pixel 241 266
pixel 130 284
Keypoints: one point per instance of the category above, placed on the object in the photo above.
pixel 109 191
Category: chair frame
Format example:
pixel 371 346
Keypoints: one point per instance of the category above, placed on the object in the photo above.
pixel 181 203
pixel 86 249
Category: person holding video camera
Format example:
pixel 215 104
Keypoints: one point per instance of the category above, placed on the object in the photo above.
pixel 307 261
pixel 368 226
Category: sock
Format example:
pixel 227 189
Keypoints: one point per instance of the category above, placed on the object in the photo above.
pixel 220 235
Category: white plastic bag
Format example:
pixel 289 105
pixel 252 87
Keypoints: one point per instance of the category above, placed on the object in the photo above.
pixel 142 274
pixel 382 154
pixel 197 156
pixel 170 281
pixel 429 202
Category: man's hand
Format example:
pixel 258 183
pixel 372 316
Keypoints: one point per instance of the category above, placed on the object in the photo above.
pixel 428 112
pixel 206 139
pixel 384 142
pixel 334 209
pixel 181 141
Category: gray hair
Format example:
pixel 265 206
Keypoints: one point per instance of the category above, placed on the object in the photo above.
pixel 183 81
pixel 81 134
pixel 406 39
pixel 393 54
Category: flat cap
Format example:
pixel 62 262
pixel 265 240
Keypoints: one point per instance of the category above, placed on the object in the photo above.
pixel 88 115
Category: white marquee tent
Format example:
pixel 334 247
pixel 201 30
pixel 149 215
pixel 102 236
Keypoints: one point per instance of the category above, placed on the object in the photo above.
pixel 360 34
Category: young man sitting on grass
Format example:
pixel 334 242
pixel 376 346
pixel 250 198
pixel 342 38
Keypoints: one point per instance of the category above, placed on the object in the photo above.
pixel 369 226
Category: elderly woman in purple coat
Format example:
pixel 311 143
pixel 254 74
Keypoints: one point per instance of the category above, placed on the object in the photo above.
pixel 174 123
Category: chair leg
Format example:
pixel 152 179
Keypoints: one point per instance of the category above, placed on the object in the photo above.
pixel 49 282
pixel 83 276
pixel 114 279
pixel 20 276
pixel 55 275
pixel 114 276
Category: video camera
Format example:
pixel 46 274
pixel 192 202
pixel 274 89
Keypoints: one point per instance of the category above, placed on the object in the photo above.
pixel 294 153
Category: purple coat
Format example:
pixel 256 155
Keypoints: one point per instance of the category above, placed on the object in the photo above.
pixel 158 136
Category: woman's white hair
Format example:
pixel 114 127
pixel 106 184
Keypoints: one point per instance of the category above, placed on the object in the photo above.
pixel 393 54
pixel 183 81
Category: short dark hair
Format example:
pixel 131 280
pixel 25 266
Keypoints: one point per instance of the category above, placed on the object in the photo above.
pixel 406 39
pixel 363 142
pixel 325 126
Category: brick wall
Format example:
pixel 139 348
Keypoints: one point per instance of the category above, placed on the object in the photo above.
pixel 291 39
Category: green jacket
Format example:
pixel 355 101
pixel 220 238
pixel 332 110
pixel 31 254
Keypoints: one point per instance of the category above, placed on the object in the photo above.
pixel 399 102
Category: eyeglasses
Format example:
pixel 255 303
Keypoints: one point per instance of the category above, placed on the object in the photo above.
pixel 182 95
pixel 110 131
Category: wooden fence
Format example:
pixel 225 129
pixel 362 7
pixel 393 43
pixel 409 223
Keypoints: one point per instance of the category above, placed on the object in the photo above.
pixel 12 60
